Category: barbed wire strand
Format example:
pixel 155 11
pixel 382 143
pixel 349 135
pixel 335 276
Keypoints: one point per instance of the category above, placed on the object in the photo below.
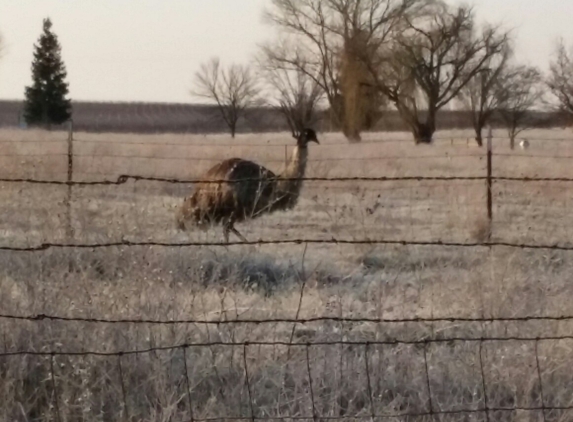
pixel 122 179
pixel 277 143
pixel 334 241
pixel 235 344
pixel 272 160
pixel 333 319
pixel 277 160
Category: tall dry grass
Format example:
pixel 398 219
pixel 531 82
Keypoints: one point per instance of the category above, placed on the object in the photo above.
pixel 266 282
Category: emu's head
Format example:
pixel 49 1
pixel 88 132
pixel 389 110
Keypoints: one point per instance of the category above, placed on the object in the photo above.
pixel 306 136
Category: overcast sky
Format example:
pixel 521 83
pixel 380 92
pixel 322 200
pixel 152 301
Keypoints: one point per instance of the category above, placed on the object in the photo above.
pixel 148 50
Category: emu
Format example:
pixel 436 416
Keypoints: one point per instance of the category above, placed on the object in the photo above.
pixel 246 190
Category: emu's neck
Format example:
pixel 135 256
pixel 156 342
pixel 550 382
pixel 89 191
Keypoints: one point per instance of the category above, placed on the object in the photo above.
pixel 289 184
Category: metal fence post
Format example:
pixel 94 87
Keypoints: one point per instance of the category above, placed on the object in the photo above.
pixel 489 181
pixel 69 226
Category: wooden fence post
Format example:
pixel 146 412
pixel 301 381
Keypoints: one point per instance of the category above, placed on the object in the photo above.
pixel 489 181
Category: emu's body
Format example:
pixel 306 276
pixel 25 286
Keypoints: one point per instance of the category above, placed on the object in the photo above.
pixel 245 190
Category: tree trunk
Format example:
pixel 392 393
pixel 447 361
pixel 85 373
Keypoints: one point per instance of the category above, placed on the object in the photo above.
pixel 343 120
pixel 479 133
pixel 352 134
pixel 512 132
pixel 423 132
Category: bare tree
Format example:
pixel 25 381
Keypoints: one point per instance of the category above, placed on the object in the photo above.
pixel 431 60
pixel 295 95
pixel 234 89
pixel 560 80
pixel 480 94
pixel 520 92
pixel 320 39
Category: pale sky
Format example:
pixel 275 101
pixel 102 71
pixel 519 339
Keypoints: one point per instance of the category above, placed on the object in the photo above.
pixel 148 50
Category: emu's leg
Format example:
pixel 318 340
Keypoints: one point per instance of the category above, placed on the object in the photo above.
pixel 229 226
pixel 239 235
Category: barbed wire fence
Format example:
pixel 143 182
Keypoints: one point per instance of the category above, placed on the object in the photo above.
pixel 489 178
pixel 372 404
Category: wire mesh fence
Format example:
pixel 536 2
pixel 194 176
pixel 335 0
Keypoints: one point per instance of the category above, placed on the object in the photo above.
pixel 485 378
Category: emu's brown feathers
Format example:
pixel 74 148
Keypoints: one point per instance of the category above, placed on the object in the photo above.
pixel 246 191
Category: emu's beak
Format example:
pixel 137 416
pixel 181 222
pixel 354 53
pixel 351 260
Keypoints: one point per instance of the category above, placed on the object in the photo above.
pixel 314 140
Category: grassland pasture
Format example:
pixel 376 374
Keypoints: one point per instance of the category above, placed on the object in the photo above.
pixel 284 281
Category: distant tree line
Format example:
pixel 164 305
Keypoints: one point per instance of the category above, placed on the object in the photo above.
pixel 148 118
pixel 353 66
pixel 355 61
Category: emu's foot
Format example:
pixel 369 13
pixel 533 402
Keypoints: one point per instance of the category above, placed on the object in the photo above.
pixel 230 228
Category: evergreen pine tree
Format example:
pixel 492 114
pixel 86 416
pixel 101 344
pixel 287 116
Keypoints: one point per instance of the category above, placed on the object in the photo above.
pixel 46 101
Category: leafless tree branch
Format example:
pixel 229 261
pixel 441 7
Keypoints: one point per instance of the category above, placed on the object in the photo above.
pixel 294 94
pixel 436 53
pixel 319 39
pixel 560 79
pixel 521 90
pixel 234 89
pixel 480 94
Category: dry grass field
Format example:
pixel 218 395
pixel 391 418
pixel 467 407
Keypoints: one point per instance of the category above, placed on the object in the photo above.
pixel 285 281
